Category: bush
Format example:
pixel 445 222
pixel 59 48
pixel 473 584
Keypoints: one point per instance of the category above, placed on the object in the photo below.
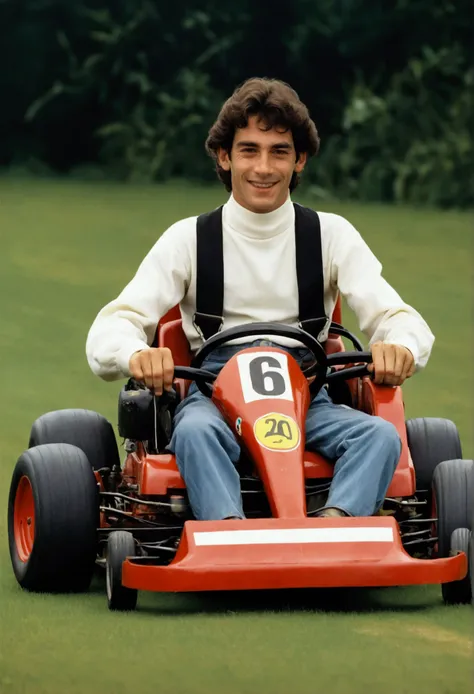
pixel 411 144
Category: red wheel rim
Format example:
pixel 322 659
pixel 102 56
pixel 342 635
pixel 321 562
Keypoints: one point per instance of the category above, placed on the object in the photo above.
pixel 24 519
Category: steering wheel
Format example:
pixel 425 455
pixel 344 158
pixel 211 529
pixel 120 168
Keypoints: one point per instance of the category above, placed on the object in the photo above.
pixel 322 369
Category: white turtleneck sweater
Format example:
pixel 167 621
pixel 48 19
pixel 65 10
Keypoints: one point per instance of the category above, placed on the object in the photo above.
pixel 260 284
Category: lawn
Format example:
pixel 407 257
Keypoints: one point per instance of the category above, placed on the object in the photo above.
pixel 66 249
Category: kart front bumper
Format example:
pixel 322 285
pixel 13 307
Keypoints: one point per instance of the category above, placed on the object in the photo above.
pixel 295 553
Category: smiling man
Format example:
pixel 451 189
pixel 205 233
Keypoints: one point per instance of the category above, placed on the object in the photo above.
pixel 260 142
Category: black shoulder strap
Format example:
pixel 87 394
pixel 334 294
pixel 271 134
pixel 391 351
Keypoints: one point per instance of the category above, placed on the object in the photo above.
pixel 309 271
pixel 209 274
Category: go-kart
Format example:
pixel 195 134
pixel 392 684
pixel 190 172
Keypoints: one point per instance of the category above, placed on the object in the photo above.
pixel 73 505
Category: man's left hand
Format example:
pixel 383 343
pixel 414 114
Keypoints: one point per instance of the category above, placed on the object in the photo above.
pixel 392 364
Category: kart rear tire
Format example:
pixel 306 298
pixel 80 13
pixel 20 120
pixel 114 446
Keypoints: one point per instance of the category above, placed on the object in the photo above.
pixel 120 545
pixel 459 592
pixel 471 560
pixel 453 503
pixel 88 430
pixel 430 441
pixel 53 516
pixel 453 492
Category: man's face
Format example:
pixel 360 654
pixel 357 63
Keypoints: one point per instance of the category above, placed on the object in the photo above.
pixel 261 163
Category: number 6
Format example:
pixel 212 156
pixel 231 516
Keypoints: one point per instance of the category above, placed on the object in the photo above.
pixel 262 377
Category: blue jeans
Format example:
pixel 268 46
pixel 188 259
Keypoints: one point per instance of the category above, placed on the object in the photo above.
pixel 366 449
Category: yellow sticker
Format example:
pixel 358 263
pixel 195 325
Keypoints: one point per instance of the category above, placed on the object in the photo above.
pixel 277 432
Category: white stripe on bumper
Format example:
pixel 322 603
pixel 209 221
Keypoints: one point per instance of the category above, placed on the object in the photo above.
pixel 290 536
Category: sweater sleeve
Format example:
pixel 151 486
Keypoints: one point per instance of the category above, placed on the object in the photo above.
pixel 128 323
pixel 381 312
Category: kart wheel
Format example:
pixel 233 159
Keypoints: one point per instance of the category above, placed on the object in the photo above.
pixel 459 592
pixel 471 561
pixel 53 515
pixel 120 545
pixel 453 502
pixel 431 440
pixel 85 429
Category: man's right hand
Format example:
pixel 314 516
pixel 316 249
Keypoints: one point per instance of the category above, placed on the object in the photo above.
pixel 154 367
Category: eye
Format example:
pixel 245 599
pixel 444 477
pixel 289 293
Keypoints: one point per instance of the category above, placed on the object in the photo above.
pixel 248 150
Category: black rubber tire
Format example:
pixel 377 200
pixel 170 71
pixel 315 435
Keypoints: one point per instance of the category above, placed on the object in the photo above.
pixel 120 545
pixel 471 560
pixel 431 440
pixel 66 518
pixel 459 592
pixel 87 430
pixel 453 490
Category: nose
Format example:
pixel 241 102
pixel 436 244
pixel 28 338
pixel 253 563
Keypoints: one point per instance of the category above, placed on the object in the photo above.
pixel 262 165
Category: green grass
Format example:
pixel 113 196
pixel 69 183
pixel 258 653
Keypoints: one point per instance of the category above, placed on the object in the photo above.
pixel 68 248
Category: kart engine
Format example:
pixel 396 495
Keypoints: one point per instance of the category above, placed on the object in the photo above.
pixel 143 416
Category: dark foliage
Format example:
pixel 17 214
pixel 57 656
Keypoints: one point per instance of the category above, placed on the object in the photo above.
pixel 133 86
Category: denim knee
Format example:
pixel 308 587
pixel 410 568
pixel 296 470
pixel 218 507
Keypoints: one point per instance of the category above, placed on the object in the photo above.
pixel 387 434
pixel 197 425
pixel 200 433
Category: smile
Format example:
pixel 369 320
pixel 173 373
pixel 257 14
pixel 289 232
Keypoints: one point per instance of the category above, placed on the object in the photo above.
pixel 261 185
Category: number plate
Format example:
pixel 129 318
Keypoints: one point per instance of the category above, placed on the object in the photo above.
pixel 277 432
pixel 264 376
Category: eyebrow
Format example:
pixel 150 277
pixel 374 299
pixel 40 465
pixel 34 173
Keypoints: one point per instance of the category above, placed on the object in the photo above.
pixel 277 145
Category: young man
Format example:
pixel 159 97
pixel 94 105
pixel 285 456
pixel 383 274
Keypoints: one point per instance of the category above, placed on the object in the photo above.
pixel 261 141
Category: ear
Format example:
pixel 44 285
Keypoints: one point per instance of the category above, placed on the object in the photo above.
pixel 223 159
pixel 301 162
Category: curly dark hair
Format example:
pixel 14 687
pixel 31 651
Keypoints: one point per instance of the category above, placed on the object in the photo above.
pixel 277 105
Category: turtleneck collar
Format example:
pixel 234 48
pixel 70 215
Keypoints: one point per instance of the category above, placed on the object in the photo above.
pixel 258 226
